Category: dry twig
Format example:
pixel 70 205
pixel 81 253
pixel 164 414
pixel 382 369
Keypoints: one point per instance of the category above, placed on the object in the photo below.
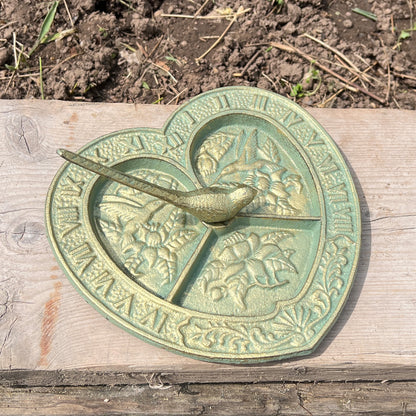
pixel 218 40
pixel 177 96
pixel 69 14
pixel 270 80
pixel 341 64
pixel 323 104
pixel 165 70
pixel 351 68
pixel 251 60
pixel 8 24
pixel 64 61
pixel 289 48
pixel 208 17
pixel 388 83
pixel 198 12
pixel 398 74
pixel 155 48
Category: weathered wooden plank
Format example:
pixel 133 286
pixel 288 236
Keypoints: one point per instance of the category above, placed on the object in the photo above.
pixel 45 325
pixel 323 399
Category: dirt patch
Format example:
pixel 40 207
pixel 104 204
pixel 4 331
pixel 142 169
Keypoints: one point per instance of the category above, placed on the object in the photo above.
pixel 155 51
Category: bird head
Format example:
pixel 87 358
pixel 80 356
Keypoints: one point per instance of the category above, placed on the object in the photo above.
pixel 241 196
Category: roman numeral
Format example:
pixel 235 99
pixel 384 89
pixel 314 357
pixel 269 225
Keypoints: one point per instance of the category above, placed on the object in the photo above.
pixel 343 221
pixel 327 165
pixel 190 118
pixel 133 145
pixel 291 118
pixel 155 319
pixel 103 282
pixel 338 193
pixel 124 305
pixel 83 256
pixel 71 187
pixel 175 140
pixel 314 140
pixel 259 102
pixel 222 102
pixel 68 219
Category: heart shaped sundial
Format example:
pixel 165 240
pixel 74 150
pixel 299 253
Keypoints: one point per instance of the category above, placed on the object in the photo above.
pixel 266 283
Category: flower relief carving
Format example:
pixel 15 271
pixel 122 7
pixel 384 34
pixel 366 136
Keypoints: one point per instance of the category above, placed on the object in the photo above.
pixel 151 233
pixel 237 156
pixel 245 261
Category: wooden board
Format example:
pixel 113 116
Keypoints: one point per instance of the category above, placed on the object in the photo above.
pixel 322 399
pixel 50 336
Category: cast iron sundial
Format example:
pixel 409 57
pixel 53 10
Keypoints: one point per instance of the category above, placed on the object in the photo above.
pixel 259 281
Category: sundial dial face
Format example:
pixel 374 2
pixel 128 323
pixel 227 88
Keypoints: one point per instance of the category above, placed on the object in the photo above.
pixel 269 284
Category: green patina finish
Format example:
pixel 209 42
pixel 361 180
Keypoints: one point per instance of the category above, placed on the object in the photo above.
pixel 266 285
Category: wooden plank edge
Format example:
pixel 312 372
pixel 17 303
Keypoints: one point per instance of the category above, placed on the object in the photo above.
pixel 388 399
pixel 34 378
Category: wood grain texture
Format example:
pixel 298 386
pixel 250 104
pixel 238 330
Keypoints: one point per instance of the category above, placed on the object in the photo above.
pixel 46 325
pixel 265 399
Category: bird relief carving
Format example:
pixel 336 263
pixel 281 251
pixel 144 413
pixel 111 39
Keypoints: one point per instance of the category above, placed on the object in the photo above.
pixel 248 156
pixel 150 233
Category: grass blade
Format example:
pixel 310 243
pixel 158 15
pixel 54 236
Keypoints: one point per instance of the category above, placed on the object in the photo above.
pixel 41 79
pixel 59 35
pixel 366 14
pixel 46 25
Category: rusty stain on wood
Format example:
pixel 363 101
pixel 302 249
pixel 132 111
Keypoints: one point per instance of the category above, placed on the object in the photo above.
pixel 70 122
pixel 50 317
pixel 73 119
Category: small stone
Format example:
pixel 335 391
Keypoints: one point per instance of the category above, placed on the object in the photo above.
pixel 289 29
pixel 4 56
pixel 8 33
pixel 347 23
pixel 184 43
pixel 389 39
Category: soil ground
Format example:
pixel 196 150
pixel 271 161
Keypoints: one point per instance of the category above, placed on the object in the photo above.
pixel 146 51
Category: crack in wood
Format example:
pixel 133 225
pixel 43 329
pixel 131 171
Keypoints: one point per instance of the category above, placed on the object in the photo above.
pixel 301 400
pixel 388 217
pixel 7 336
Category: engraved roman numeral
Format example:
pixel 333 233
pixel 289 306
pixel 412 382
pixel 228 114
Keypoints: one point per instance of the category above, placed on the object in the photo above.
pixel 291 118
pixel 98 156
pixel 72 187
pixel 327 165
pixel 155 319
pixel 259 102
pixel 125 305
pixel 68 219
pixel 338 193
pixel 222 102
pixel 314 140
pixel 103 282
pixel 83 256
pixel 343 221
pixel 133 145
pixel 175 140
pixel 190 117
